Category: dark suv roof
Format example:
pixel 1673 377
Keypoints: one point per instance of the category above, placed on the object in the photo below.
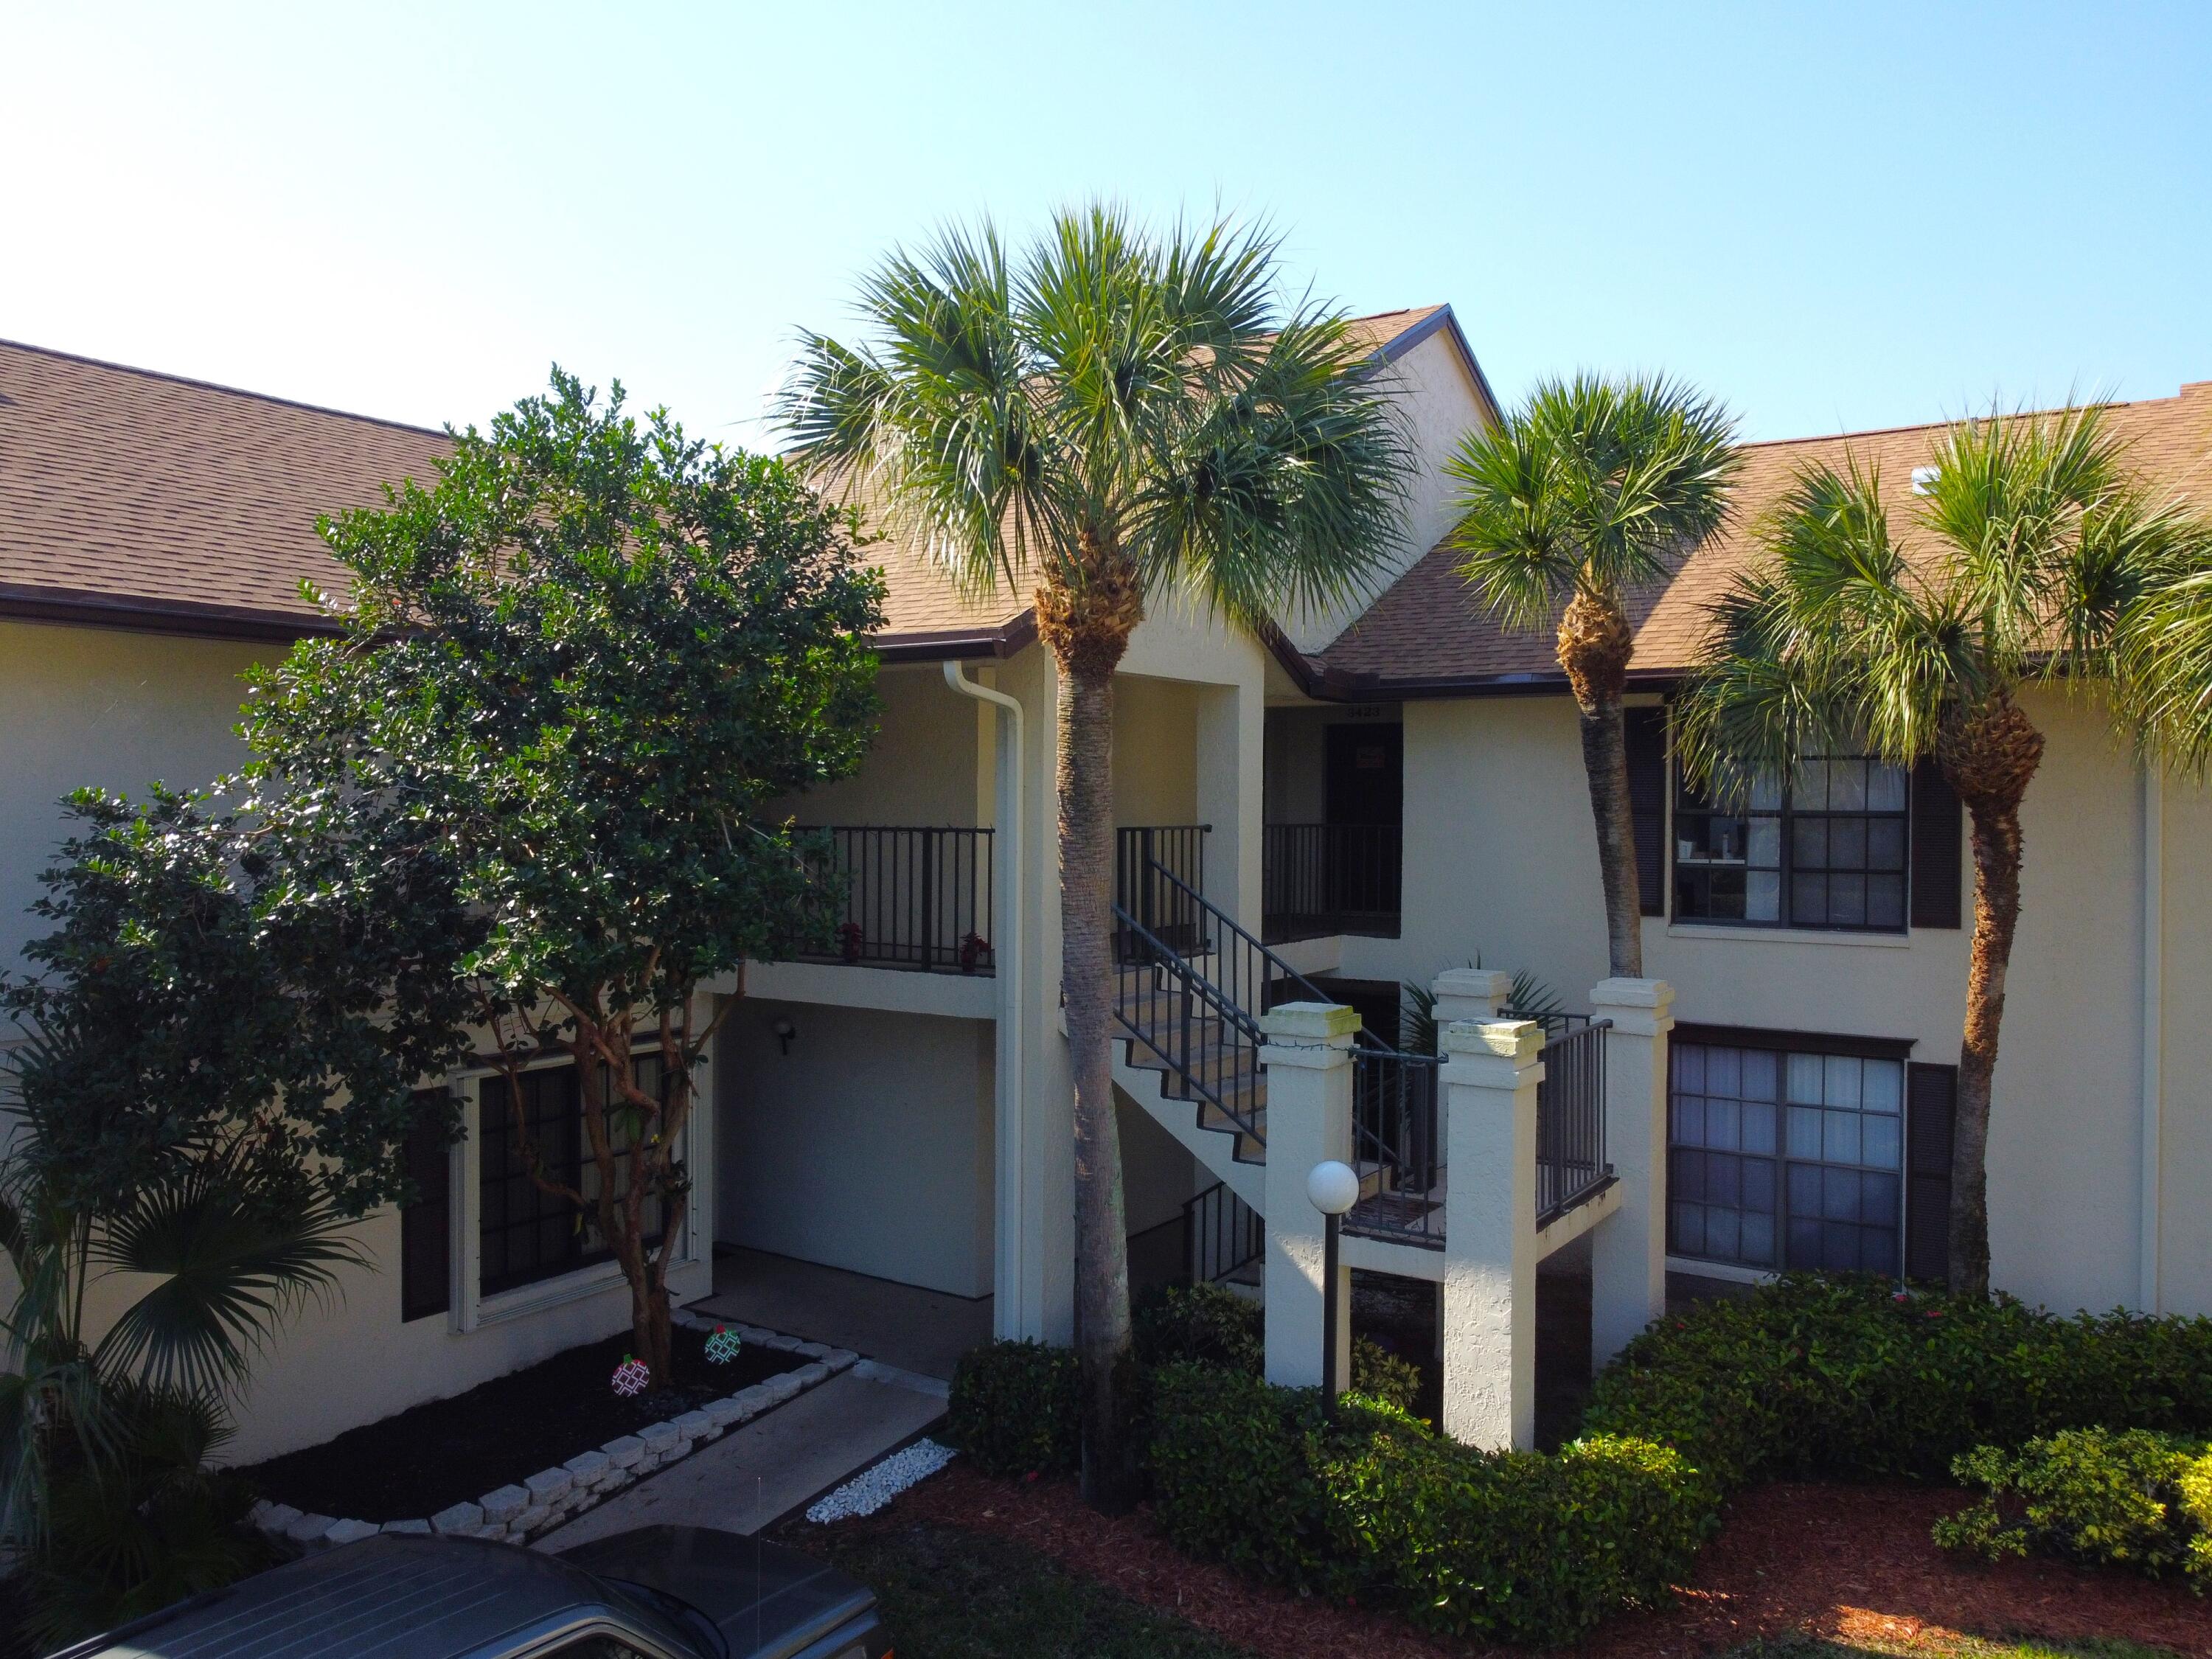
pixel 391 1597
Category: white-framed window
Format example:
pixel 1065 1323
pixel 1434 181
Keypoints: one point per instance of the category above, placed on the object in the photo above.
pixel 1786 1153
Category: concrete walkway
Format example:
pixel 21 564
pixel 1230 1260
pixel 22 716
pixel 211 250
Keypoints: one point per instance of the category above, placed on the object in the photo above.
pixel 774 1463
pixel 902 1325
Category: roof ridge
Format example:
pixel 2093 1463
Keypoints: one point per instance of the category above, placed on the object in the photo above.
pixel 230 391
pixel 1933 426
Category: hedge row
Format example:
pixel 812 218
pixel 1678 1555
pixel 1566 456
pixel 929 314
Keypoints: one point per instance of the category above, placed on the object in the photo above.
pixel 2136 1499
pixel 1808 1376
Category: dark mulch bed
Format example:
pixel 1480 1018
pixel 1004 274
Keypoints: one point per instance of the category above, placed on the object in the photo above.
pixel 1853 1564
pixel 451 1451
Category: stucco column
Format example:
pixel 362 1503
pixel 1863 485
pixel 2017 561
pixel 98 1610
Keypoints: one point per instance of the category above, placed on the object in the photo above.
pixel 1490 1076
pixel 1308 1060
pixel 1628 1248
pixel 1474 995
pixel 1231 736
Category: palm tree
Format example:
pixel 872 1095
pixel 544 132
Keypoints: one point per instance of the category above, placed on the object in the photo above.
pixel 1593 487
pixel 1116 416
pixel 2039 556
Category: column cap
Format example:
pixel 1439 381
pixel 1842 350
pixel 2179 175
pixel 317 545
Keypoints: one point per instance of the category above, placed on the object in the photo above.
pixel 1520 1040
pixel 1311 1022
pixel 1654 994
pixel 1493 984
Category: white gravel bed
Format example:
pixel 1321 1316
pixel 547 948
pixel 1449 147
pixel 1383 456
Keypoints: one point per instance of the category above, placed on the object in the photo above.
pixel 870 1489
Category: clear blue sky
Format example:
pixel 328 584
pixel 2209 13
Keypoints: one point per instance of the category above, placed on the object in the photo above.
pixel 1835 216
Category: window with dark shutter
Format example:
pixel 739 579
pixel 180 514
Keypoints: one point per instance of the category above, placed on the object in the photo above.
pixel 1935 861
pixel 1932 1103
pixel 426 1237
pixel 1646 735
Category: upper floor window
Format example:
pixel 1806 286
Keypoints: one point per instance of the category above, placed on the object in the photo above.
pixel 1826 849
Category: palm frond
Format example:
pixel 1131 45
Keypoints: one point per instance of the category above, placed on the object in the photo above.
pixel 233 1265
pixel 1594 485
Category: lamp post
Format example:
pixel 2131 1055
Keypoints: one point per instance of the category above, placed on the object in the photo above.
pixel 1334 1189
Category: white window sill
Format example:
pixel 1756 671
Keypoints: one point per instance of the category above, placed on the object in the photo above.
pixel 1734 1272
pixel 1787 935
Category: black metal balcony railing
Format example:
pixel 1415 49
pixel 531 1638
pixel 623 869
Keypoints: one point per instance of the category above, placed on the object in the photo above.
pixel 1318 878
pixel 1221 1233
pixel 915 897
pixel 1159 880
pixel 1571 1162
pixel 1394 1145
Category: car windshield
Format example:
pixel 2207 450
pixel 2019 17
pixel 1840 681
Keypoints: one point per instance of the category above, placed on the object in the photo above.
pixel 676 1611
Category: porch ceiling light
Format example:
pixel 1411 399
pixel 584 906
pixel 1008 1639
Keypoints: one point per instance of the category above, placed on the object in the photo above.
pixel 1333 1187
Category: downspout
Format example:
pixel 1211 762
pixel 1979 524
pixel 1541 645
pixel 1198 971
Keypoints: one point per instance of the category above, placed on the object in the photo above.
pixel 2154 995
pixel 1010 1243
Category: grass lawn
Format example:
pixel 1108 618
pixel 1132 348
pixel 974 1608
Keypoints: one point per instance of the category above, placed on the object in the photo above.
pixel 948 1594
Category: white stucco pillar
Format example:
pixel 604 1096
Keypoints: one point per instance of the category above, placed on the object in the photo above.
pixel 1231 736
pixel 1474 995
pixel 1628 1250
pixel 1308 1060
pixel 1489 1077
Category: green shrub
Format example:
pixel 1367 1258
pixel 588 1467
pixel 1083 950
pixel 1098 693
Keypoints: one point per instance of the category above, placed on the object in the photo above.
pixel 1014 1409
pixel 1514 1546
pixel 1845 1375
pixel 2101 1498
pixel 1378 1374
pixel 1200 1324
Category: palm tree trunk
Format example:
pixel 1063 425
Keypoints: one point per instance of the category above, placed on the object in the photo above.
pixel 1102 1255
pixel 1594 643
pixel 1996 914
pixel 1989 755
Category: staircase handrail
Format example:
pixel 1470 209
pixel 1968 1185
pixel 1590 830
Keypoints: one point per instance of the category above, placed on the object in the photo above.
pixel 1219 1003
pixel 1278 969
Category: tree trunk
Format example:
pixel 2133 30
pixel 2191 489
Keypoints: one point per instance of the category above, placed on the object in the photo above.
pixel 649 1328
pixel 1594 643
pixel 1987 757
pixel 1086 770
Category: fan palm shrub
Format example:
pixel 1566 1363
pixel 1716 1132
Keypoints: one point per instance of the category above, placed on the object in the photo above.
pixel 1115 416
pixel 1591 487
pixel 2038 554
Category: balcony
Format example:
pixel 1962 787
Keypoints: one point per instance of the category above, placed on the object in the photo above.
pixel 1317 879
pixel 918 898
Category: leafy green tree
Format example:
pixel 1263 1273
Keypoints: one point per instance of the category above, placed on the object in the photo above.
pixel 188 1127
pixel 1112 417
pixel 2037 555
pixel 576 674
pixel 1591 487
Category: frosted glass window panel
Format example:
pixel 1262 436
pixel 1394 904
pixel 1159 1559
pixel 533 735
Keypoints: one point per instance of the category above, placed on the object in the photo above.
pixel 1805 1132
pixel 1724 1072
pixel 1885 788
pixel 1840 1085
pixel 1690 1120
pixel 1690 1067
pixel 1766 793
pixel 1764 842
pixel 1839 1141
pixel 1809 788
pixel 1847 785
pixel 1881 1085
pixel 1761 1074
pixel 1758 1128
pixel 1723 1124
pixel 1806 1080
pixel 1879 1141
pixel 1762 895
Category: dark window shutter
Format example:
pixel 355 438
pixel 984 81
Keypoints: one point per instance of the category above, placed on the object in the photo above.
pixel 426 1234
pixel 1931 1105
pixel 1646 734
pixel 1936 835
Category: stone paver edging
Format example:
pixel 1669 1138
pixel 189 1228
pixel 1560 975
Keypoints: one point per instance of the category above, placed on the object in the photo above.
pixel 541 1502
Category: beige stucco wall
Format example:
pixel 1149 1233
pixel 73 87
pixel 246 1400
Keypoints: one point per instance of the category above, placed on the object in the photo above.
pixel 1501 860
pixel 868 1147
pixel 82 706
pixel 1155 750
pixel 930 763
pixel 1438 401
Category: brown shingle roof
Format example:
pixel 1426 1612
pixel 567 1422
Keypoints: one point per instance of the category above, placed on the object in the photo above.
pixel 134 499
pixel 1428 634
